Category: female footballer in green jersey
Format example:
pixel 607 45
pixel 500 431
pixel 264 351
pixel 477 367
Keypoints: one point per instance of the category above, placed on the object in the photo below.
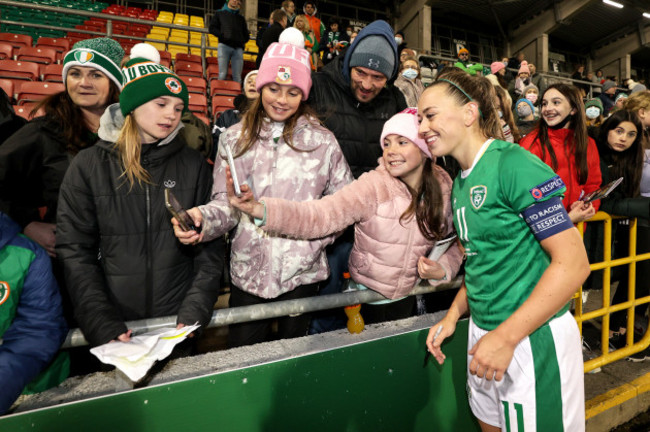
pixel 525 260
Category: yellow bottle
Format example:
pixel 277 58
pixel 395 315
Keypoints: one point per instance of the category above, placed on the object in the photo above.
pixel 355 320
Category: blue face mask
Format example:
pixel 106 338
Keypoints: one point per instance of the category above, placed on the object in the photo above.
pixel 410 73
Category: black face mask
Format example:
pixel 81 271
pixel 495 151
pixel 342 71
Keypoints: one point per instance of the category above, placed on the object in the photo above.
pixel 563 123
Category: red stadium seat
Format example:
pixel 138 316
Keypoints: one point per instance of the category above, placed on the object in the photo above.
pixel 53 73
pixel 194 84
pixel 188 69
pixel 189 58
pixel 24 70
pixel 37 90
pixel 6 51
pixel 165 58
pixel 198 103
pixel 221 104
pixel 8 87
pixel 46 55
pixel 61 45
pixel 17 40
pixel 212 72
pixel 25 111
pixel 212 60
pixel 224 87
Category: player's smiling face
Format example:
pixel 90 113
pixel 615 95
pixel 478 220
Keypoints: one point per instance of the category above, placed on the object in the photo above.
pixel 403 159
pixel 555 108
pixel 441 121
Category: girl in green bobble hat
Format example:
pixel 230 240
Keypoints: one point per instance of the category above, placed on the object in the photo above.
pixel 113 200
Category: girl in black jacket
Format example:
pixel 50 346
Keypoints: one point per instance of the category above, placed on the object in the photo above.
pixel 121 259
pixel 620 145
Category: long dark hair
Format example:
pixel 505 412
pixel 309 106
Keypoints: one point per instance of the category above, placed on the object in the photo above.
pixel 576 143
pixel 427 204
pixel 629 163
pixel 60 107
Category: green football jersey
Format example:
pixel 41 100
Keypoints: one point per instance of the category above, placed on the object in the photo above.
pixel 504 259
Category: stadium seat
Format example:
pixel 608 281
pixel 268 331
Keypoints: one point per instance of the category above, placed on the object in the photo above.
pixel 52 73
pixel 165 58
pixel 61 45
pixel 46 55
pixel 37 90
pixel 194 84
pixel 23 70
pixel 6 51
pixel 189 58
pixel 25 111
pixel 221 104
pixel 224 88
pixel 8 87
pixel 188 69
pixel 17 40
pixel 198 103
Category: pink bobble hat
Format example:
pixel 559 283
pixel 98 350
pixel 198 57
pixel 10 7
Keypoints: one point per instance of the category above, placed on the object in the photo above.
pixel 286 62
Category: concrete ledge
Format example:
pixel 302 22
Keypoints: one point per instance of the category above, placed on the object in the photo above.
pixel 619 405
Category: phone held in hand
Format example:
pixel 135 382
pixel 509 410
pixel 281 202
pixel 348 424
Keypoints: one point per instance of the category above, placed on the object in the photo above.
pixel 233 172
pixel 602 192
pixel 174 206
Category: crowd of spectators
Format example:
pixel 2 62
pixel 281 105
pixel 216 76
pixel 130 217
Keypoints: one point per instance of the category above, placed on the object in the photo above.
pixel 84 183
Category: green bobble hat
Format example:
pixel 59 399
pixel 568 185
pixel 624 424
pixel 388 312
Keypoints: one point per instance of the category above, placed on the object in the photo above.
pixel 595 102
pixel 145 80
pixel 103 54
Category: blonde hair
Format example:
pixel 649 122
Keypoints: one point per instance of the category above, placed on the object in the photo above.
pixel 129 147
pixel 305 23
pixel 638 100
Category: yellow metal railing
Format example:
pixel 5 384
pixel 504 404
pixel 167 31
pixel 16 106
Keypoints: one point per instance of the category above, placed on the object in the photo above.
pixel 607 308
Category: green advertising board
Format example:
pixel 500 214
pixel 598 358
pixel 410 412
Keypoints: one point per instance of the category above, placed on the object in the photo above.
pixel 379 385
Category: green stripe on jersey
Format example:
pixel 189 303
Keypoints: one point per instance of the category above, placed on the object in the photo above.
pixel 548 387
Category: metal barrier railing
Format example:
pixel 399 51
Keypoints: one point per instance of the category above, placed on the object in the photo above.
pixel 222 317
pixel 607 308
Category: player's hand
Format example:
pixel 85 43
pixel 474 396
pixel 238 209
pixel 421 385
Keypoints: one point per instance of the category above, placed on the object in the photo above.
pixel 581 211
pixel 124 337
pixel 429 269
pixel 190 237
pixel 491 356
pixel 435 339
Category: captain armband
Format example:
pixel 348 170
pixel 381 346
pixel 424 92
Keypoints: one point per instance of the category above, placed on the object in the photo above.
pixel 547 218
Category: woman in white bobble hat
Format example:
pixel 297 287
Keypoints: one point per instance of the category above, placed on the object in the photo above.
pixel 282 151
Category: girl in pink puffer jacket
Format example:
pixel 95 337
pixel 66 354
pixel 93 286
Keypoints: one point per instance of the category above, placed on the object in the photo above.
pixel 281 150
pixel 399 210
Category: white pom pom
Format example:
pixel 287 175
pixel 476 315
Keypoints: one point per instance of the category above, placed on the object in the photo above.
pixel 144 50
pixel 292 36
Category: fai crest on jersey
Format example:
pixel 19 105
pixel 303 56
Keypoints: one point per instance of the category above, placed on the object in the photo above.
pixel 477 196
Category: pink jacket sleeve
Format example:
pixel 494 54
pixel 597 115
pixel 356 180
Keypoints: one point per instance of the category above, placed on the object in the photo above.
pixel 332 213
pixel 453 258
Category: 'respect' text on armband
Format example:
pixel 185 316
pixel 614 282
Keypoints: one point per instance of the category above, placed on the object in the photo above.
pixel 547 218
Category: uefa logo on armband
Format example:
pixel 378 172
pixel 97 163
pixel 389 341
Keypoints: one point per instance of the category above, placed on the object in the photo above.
pixel 4 291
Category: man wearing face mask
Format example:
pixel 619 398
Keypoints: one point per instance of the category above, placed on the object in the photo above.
pixel 466 65
pixel 526 120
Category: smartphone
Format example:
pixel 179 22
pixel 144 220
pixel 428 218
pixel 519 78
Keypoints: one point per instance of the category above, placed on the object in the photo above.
pixel 184 220
pixel 233 172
